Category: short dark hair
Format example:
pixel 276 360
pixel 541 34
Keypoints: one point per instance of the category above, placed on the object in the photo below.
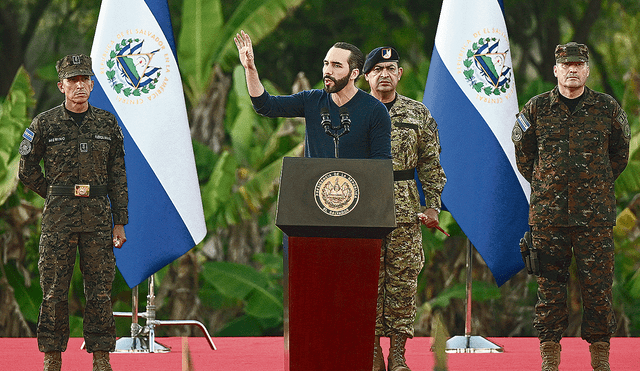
pixel 356 58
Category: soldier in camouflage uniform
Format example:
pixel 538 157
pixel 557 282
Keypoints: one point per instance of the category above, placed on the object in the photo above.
pixel 415 145
pixel 571 144
pixel 85 190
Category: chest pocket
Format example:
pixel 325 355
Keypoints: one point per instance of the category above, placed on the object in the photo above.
pixel 58 149
pixel 592 142
pixel 100 146
pixel 551 137
pixel 595 137
pixel 404 136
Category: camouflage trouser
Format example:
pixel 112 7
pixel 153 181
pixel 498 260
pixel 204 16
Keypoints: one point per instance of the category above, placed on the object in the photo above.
pixel 97 263
pixel 594 254
pixel 401 261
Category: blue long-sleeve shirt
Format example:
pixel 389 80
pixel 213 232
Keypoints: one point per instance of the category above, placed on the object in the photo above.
pixel 370 134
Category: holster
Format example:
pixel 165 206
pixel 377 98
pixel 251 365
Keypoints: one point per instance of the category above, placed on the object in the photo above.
pixel 529 254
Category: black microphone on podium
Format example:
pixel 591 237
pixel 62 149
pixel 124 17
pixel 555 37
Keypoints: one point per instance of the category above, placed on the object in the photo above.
pixel 326 120
pixel 345 121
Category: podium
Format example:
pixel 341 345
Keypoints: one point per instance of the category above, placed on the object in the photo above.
pixel 334 213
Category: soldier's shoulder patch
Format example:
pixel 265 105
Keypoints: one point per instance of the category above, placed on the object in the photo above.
pixel 28 134
pixel 516 133
pixel 624 124
pixel 433 126
pixel 522 122
pixel 121 137
pixel 25 147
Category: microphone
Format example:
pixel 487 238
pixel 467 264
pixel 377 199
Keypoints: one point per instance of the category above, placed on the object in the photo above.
pixel 345 121
pixel 326 119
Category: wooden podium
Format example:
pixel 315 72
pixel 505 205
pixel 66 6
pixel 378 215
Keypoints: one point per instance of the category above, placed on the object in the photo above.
pixel 334 213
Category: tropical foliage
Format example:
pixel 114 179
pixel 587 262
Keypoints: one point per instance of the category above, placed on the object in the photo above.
pixel 232 281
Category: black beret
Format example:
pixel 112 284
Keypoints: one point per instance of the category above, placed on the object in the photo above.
pixel 381 54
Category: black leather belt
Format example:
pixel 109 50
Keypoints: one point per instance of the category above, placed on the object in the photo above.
pixel 78 190
pixel 403 174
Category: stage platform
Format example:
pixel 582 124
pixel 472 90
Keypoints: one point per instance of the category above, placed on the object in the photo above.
pixel 267 354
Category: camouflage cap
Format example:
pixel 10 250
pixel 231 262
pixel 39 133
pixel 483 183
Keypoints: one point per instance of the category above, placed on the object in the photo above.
pixel 381 54
pixel 74 65
pixel 572 52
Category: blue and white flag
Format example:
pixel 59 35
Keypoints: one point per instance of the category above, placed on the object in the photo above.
pixel 471 93
pixel 137 79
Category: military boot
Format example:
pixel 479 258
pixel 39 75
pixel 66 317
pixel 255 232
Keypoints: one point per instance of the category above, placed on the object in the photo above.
pixel 397 362
pixel 550 353
pixel 101 361
pixel 52 361
pixel 378 357
pixel 600 356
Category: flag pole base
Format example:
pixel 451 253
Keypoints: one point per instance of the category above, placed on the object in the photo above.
pixel 471 344
pixel 148 330
pixel 142 338
pixel 468 343
pixel 139 345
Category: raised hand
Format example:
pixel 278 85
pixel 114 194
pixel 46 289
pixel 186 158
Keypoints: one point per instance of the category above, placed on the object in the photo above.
pixel 245 50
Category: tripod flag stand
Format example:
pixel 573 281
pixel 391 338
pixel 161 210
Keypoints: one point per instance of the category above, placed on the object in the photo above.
pixel 142 338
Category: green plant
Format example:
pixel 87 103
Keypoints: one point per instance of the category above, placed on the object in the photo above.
pixel 258 292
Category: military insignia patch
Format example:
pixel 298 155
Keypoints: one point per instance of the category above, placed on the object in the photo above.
pixel 28 135
pixel 121 136
pixel 624 124
pixel 25 147
pixel 516 133
pixel 336 193
pixel 522 121
pixel 433 126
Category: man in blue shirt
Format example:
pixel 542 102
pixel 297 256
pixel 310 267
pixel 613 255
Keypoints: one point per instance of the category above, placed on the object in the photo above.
pixel 370 129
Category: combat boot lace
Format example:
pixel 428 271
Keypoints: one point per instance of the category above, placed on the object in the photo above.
pixel 550 353
pixel 397 362
pixel 378 357
pixel 101 361
pixel 600 356
pixel 52 361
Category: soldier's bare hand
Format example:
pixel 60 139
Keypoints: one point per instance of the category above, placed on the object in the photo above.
pixel 245 50
pixel 119 237
pixel 429 218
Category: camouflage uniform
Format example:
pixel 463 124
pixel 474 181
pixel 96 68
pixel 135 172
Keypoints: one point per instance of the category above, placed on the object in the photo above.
pixel 414 145
pixel 90 153
pixel 572 160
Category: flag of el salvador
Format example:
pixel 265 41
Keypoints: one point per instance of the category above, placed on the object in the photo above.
pixel 471 93
pixel 137 79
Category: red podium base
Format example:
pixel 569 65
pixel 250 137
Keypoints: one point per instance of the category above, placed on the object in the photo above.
pixel 330 292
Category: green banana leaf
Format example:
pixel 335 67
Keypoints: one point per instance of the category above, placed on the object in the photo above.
pixel 241 282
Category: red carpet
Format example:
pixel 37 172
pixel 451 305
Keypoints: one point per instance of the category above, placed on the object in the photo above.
pixel 267 354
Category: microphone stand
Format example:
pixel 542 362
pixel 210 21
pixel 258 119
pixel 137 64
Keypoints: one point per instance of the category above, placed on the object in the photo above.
pixel 334 131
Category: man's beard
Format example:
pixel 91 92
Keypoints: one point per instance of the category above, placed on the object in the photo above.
pixel 337 84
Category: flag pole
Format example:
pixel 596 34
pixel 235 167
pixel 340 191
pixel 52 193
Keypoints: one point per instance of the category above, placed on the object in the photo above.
pixel 142 338
pixel 468 343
